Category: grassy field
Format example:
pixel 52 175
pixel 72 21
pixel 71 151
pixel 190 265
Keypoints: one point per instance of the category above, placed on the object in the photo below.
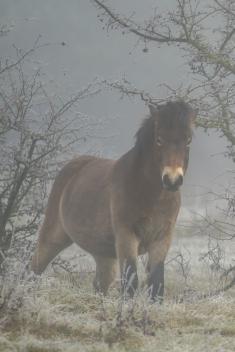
pixel 60 311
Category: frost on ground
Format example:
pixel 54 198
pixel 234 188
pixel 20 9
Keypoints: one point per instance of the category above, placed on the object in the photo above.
pixel 60 311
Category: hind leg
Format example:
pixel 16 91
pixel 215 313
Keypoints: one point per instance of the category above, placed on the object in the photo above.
pixel 50 243
pixel 106 269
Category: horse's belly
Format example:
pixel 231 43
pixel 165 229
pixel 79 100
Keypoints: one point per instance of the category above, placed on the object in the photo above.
pixel 95 240
pixel 98 246
pixel 91 233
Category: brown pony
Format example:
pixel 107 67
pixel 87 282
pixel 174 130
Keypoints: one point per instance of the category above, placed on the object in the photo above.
pixel 117 210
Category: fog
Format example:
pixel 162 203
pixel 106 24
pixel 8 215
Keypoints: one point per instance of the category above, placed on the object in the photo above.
pixel 80 50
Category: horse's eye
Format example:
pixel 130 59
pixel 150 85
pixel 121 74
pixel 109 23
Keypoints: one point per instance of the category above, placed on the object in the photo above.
pixel 159 141
pixel 189 140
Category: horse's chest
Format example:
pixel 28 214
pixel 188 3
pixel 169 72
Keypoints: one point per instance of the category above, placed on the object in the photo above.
pixel 154 226
pixel 151 228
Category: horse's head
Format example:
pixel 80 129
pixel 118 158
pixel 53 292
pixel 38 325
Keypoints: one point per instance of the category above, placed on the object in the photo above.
pixel 173 124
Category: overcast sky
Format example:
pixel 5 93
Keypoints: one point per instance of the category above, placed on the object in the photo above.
pixel 90 52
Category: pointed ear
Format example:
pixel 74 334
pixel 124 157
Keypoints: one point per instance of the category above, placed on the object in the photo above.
pixel 153 108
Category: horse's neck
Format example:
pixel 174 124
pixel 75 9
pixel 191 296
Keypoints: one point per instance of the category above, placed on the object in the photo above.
pixel 142 177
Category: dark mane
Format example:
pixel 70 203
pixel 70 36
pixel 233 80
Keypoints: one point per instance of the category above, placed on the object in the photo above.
pixel 172 115
pixel 145 134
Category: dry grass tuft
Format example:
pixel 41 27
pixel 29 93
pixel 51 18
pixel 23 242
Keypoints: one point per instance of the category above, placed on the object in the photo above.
pixel 62 313
pixel 59 317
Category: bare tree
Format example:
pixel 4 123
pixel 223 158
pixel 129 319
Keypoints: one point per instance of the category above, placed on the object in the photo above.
pixel 36 132
pixel 205 32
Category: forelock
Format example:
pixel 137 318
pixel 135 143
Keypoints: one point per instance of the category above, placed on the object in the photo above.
pixel 174 115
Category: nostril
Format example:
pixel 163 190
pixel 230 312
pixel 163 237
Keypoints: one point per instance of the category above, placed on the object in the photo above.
pixel 179 181
pixel 166 180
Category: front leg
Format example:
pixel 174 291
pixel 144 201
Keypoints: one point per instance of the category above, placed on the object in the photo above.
pixel 127 252
pixel 157 254
pixel 156 282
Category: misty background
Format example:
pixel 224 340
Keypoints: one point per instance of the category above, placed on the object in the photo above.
pixel 79 51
